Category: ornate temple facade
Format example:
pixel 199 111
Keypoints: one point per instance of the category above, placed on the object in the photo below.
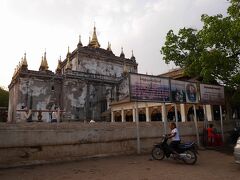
pixel 83 85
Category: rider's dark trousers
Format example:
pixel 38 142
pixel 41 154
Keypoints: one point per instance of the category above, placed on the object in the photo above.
pixel 174 146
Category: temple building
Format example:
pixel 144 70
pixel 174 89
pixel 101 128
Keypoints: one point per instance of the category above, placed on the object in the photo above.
pixel 92 83
pixel 83 85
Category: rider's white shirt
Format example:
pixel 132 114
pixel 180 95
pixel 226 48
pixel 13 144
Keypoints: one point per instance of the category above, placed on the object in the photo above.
pixel 176 137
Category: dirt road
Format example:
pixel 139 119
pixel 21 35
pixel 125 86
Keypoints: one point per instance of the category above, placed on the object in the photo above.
pixel 211 165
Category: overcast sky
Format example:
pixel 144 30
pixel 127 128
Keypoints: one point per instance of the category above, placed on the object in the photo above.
pixel 138 25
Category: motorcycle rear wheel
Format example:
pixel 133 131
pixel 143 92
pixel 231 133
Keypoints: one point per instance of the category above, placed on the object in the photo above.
pixel 158 153
pixel 190 157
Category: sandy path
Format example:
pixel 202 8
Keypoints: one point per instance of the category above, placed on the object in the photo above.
pixel 211 165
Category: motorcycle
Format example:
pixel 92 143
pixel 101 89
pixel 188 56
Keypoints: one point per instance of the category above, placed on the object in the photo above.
pixel 187 152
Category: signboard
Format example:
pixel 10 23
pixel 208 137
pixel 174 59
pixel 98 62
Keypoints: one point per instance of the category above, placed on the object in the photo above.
pixel 212 94
pixel 178 91
pixel 192 94
pixel 149 88
pixel 184 92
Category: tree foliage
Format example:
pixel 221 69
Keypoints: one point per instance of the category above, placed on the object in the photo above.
pixel 213 52
pixel 3 97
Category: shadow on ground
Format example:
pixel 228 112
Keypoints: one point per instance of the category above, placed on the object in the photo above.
pixel 227 149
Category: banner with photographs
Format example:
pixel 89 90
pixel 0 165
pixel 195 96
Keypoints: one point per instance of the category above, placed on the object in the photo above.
pixel 212 94
pixel 149 88
pixel 192 95
pixel 178 91
pixel 184 92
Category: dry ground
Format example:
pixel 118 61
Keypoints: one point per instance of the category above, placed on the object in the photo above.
pixel 211 165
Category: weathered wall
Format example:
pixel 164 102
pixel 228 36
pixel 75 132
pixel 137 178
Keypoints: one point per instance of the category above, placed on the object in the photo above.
pixel 86 100
pixel 38 94
pixel 100 61
pixel 96 66
pixel 33 143
pixel 80 99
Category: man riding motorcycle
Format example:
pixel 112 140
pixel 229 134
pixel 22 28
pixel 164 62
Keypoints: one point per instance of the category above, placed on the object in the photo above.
pixel 186 152
pixel 175 138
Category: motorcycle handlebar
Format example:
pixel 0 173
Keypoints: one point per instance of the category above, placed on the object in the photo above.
pixel 165 136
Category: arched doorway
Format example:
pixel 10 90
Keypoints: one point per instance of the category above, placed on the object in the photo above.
pixel 200 113
pixel 118 117
pixel 190 114
pixel 129 116
pixel 171 114
pixel 142 116
pixel 156 115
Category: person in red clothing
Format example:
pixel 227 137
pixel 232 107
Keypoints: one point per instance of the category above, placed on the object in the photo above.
pixel 210 135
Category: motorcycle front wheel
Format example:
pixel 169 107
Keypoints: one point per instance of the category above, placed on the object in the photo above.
pixel 190 157
pixel 158 153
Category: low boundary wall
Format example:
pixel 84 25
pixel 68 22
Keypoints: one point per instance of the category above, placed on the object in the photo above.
pixel 37 143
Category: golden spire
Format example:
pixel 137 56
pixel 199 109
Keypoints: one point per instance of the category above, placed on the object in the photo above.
pixel 94 42
pixel 109 47
pixel 24 60
pixel 68 53
pixel 122 55
pixel 89 40
pixel 79 42
pixel 41 68
pixel 45 61
pixel 68 66
pixel 59 64
pixel 133 57
pixel 58 70
pixel 42 61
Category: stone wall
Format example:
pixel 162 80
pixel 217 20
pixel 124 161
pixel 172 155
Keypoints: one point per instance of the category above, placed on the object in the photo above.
pixel 36 143
pixel 80 98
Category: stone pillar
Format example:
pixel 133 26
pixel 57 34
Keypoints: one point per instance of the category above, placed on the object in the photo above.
pixel 134 114
pixel 205 116
pixel 196 124
pixel 147 114
pixel 183 112
pixel 112 116
pixel 209 112
pixel 176 113
pixel 122 114
pixel 164 117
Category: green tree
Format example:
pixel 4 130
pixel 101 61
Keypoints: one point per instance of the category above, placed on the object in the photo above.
pixel 4 95
pixel 212 52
